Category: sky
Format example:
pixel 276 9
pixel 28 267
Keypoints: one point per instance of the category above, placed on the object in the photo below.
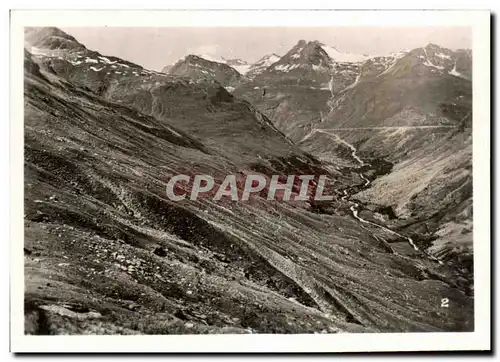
pixel 156 47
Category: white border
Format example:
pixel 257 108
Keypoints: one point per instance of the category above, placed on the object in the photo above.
pixel 242 18
pixel 479 21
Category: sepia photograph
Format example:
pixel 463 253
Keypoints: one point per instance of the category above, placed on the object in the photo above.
pixel 237 180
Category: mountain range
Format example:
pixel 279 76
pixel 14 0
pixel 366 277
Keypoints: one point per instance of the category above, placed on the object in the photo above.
pixel 344 67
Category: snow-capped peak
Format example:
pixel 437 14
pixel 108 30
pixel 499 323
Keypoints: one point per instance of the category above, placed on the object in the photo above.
pixel 240 65
pixel 267 60
pixel 262 64
pixel 304 55
pixel 235 61
pixel 341 57
pixel 212 58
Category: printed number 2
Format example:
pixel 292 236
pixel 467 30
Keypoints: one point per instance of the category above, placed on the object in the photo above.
pixel 445 303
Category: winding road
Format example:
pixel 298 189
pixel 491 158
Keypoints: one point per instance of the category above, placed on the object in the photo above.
pixel 384 127
pixel 330 130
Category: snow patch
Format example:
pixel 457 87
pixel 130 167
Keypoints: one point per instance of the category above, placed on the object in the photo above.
pixel 242 69
pixel 286 68
pixel 91 60
pixel 211 58
pixel 268 60
pixel 356 81
pixel 106 60
pixel 319 68
pixel 455 73
pixel 282 68
pixel 337 56
pixel 75 62
pixel 37 51
pixel 443 56
pixel 429 64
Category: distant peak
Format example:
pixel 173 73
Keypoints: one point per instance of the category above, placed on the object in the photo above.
pixel 190 57
pixel 307 47
pixel 45 32
pixel 315 42
pixel 432 46
pixel 311 43
pixel 267 56
pixel 50 37
pixel 196 57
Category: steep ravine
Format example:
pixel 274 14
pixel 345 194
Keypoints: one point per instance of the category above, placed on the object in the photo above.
pixel 355 207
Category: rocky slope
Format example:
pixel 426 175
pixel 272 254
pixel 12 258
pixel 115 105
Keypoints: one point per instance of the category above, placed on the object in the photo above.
pixel 106 252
